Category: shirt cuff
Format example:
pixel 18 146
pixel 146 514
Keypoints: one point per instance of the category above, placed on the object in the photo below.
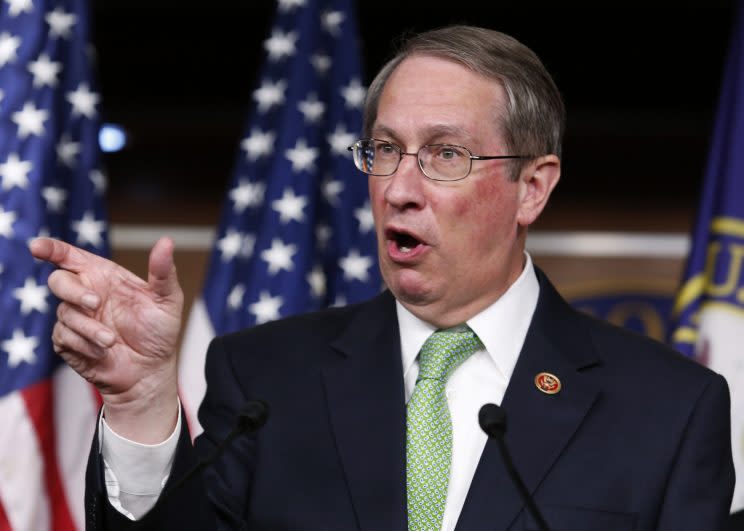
pixel 135 473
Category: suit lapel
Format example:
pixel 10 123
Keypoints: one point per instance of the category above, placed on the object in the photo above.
pixel 538 425
pixel 366 404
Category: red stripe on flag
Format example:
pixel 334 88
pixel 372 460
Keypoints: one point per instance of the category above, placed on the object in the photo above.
pixel 4 523
pixel 38 399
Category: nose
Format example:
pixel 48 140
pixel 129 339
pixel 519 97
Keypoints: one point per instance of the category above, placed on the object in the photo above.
pixel 405 187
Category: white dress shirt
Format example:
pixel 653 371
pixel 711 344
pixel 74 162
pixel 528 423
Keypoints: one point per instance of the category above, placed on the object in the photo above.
pixel 482 378
pixel 135 473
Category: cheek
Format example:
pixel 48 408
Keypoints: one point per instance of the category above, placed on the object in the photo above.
pixel 376 199
pixel 490 208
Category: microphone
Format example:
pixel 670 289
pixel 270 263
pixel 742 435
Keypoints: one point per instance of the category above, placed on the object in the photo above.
pixel 492 420
pixel 251 417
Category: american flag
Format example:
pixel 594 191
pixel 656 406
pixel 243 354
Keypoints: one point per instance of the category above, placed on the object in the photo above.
pixel 49 185
pixel 296 232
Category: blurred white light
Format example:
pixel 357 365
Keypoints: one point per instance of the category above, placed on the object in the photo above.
pixel 112 137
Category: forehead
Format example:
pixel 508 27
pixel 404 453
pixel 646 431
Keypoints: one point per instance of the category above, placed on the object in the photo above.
pixel 439 97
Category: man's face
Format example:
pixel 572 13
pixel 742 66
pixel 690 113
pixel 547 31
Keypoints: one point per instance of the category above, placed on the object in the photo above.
pixel 447 249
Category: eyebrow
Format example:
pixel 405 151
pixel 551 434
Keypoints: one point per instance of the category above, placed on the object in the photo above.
pixel 431 133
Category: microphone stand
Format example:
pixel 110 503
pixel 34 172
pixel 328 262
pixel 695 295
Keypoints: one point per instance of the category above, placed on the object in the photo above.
pixel 492 420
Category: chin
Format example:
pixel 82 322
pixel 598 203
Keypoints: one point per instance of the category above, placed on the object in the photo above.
pixel 409 287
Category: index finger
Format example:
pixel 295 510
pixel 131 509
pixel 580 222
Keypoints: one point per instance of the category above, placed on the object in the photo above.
pixel 62 254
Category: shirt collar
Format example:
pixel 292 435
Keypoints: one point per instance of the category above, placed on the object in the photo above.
pixel 502 327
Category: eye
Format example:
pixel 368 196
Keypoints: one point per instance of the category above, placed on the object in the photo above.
pixel 384 148
pixel 448 153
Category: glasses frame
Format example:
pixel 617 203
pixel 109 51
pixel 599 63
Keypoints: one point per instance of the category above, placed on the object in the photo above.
pixel 420 164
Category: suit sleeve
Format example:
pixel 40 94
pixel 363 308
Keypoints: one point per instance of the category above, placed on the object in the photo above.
pixel 214 498
pixel 184 508
pixel 701 483
pixel 229 478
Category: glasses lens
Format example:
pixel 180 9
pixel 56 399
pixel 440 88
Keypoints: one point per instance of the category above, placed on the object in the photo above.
pixel 375 157
pixel 444 162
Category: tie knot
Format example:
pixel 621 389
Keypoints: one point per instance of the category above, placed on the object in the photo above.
pixel 445 350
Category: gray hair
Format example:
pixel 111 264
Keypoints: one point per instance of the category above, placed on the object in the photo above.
pixel 535 116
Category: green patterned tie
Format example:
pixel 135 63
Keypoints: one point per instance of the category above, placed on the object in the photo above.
pixel 429 444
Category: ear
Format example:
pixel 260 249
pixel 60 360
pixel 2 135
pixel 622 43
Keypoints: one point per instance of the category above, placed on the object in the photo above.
pixel 536 183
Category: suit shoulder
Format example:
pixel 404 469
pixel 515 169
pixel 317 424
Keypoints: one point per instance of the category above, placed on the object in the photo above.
pixel 629 357
pixel 322 323
pixel 646 358
pixel 300 337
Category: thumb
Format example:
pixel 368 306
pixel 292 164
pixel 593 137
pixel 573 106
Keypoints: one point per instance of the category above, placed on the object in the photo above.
pixel 162 276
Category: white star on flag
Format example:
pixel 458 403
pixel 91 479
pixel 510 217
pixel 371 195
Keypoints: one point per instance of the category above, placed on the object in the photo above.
pixel 235 298
pixel 355 266
pixel 365 218
pixel 7 218
pixel 258 144
pixel 312 109
pixel 14 172
pixel 20 348
pixel 8 48
pixel 288 5
pixel 247 195
pixel 316 279
pixel 55 198
pixel 67 150
pixel 331 190
pixel 279 256
pixel 230 245
pixel 89 230
pixel 290 206
pixel 340 140
pixel 16 7
pixel 321 63
pixel 267 308
pixel 30 120
pixel 83 101
pixel 98 178
pixel 301 156
pixel 60 23
pixel 45 71
pixel 269 94
pixel 280 44
pixel 32 296
pixel 354 94
pixel 331 20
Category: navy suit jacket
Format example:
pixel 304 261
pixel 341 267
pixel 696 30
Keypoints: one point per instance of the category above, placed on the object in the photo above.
pixel 637 439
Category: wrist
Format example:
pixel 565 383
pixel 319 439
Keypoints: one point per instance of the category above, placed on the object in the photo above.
pixel 147 414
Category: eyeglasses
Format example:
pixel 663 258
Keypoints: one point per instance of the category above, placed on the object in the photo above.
pixel 438 162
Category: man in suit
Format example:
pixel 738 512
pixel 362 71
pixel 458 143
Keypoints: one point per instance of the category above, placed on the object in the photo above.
pixel 373 421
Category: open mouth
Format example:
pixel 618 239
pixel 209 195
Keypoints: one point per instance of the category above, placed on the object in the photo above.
pixel 404 242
